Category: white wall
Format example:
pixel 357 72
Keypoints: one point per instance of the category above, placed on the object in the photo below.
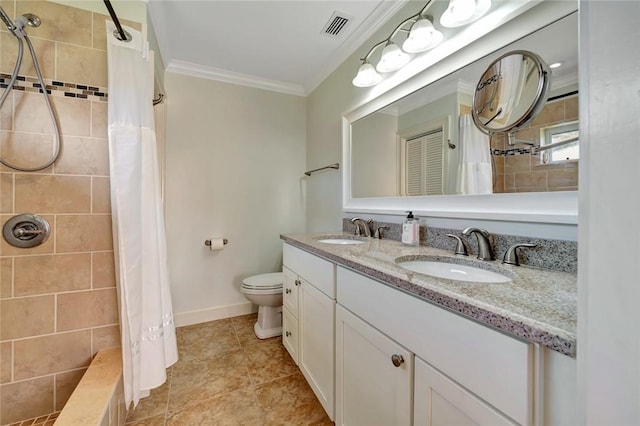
pixel 609 267
pixel 234 168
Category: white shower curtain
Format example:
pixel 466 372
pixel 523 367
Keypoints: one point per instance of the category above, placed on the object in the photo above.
pixel 474 172
pixel 146 317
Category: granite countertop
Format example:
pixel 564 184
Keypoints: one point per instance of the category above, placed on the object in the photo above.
pixel 538 305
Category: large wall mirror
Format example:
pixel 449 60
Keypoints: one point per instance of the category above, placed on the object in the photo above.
pixel 424 151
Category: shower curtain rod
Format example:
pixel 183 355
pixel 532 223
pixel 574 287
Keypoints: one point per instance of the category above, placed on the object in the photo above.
pixel 122 35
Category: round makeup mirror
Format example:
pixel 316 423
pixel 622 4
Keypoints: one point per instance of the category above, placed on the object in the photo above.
pixel 511 92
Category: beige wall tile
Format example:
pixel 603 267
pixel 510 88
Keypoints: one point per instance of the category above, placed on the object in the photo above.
pixel 6 277
pixel 563 178
pixel 6 360
pixel 571 108
pixel 32 115
pixel 51 273
pixel 83 156
pixel 100 195
pixel 52 194
pixel 64 351
pixel 498 186
pixel 61 23
pixel 82 65
pixel 27 316
pixel 6 113
pixel 78 233
pixel 45 49
pixel 509 182
pixel 100 29
pixel 26 400
pixel 26 149
pixel 103 270
pixel 6 193
pixel 551 113
pixel 87 309
pixel 517 163
pixel 65 384
pixel 47 247
pixel 105 337
pixel 99 123
pixel 537 180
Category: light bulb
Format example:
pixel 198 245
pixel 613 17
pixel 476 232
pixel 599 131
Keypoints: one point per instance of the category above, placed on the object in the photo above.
pixel 367 76
pixel 463 12
pixel 393 58
pixel 423 36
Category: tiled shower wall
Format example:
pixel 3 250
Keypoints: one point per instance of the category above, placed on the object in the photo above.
pixel 58 301
pixel 524 172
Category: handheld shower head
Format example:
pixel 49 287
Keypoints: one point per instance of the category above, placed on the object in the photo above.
pixel 32 20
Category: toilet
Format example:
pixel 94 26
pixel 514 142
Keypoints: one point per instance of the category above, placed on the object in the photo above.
pixel 265 290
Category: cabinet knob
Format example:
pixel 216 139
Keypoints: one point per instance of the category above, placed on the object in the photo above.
pixel 397 360
pixel 288 291
pixel 288 334
pixel 298 282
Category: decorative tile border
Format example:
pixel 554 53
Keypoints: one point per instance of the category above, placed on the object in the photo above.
pixel 512 151
pixel 56 88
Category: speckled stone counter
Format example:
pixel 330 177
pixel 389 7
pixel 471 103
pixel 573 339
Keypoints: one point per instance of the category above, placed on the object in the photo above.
pixel 537 305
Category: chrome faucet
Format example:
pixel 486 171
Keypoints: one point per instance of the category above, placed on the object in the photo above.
pixel 362 224
pixel 484 246
pixel 511 255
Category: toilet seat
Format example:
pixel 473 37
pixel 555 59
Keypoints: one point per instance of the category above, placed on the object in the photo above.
pixel 264 282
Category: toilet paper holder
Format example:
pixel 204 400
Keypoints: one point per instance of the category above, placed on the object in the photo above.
pixel 208 242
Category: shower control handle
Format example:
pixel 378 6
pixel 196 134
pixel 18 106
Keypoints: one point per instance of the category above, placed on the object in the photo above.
pixel 21 232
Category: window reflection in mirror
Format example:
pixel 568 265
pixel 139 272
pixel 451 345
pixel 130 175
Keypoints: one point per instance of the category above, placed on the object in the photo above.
pixel 382 167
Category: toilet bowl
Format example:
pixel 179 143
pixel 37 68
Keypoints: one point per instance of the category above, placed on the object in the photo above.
pixel 265 290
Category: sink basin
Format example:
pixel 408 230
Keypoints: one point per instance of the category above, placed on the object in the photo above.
pixel 342 241
pixel 453 271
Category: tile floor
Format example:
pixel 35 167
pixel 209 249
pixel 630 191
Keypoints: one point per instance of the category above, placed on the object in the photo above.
pixel 227 376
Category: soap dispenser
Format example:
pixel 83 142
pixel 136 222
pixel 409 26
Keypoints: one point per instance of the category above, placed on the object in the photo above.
pixel 411 230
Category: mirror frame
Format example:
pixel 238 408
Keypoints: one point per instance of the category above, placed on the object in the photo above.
pixel 534 207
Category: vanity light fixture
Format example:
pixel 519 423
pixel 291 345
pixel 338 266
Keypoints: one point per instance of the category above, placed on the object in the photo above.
pixel 421 36
pixel 463 12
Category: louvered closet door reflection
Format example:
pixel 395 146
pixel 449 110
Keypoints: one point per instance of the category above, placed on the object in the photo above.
pixel 425 164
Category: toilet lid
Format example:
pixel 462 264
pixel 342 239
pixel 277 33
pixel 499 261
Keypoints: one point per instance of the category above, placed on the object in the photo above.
pixel 264 281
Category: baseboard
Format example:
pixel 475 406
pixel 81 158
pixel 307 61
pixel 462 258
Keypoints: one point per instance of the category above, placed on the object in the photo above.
pixel 215 313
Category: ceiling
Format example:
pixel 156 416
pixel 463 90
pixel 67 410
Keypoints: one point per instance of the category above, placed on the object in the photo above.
pixel 271 44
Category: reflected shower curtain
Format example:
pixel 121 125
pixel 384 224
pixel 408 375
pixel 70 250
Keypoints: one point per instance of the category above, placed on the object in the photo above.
pixel 474 172
pixel 146 317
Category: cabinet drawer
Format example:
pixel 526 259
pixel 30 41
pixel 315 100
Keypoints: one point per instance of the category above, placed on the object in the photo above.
pixel 319 272
pixel 290 291
pixel 290 334
pixel 496 367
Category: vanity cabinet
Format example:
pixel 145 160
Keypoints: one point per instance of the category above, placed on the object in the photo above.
pixel 308 320
pixel 462 369
pixel 373 375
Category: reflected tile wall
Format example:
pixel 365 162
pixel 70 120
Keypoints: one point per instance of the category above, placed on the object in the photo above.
pixel 58 303
pixel 519 171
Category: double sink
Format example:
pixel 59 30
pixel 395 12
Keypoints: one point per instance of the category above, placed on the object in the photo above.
pixel 458 269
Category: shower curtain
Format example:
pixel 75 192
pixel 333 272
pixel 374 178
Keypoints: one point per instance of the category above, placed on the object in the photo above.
pixel 146 317
pixel 474 172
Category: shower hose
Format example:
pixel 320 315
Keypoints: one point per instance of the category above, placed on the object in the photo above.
pixel 20 36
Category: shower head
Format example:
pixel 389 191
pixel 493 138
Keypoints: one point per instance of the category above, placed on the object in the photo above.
pixel 32 20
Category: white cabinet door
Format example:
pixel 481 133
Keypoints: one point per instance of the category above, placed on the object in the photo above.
pixel 370 389
pixel 316 325
pixel 290 291
pixel 290 334
pixel 439 401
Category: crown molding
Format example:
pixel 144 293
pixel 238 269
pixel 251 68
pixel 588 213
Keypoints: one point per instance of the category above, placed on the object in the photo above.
pixel 217 74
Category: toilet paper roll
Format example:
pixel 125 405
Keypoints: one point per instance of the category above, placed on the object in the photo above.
pixel 216 244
